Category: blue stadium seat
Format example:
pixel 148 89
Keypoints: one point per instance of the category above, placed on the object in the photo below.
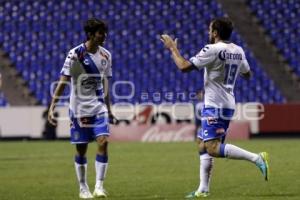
pixel 3 101
pixel 41 34
pixel 281 21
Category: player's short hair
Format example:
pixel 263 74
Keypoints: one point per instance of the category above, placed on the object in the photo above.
pixel 93 25
pixel 223 26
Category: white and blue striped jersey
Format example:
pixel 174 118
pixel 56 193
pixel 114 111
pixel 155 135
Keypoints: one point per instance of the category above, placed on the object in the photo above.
pixel 222 62
pixel 87 71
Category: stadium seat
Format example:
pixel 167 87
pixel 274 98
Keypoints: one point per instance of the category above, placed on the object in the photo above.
pixel 281 21
pixel 3 101
pixel 37 36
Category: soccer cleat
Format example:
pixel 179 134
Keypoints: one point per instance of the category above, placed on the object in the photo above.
pixel 99 193
pixel 264 166
pixel 197 194
pixel 85 193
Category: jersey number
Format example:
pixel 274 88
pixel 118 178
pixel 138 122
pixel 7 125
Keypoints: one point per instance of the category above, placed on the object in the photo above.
pixel 230 73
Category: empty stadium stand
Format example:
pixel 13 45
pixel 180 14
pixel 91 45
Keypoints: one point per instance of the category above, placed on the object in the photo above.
pixel 38 34
pixel 3 101
pixel 280 19
pixel 262 48
pixel 13 88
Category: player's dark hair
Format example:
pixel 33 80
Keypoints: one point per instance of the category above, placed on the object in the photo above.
pixel 223 26
pixel 92 25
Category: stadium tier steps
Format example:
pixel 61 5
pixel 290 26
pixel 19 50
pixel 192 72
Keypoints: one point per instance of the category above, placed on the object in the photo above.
pixel 38 34
pixel 280 18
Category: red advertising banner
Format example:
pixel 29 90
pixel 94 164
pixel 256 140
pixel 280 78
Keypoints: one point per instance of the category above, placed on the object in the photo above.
pixel 280 118
pixel 170 132
pixel 153 133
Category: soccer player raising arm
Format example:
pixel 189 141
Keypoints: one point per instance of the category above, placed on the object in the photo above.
pixel 222 61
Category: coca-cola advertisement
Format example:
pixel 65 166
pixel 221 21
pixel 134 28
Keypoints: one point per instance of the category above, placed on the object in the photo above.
pixel 153 133
pixel 170 132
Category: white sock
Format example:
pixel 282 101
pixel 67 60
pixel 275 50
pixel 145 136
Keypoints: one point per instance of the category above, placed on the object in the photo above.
pixel 101 169
pixel 206 165
pixel 234 152
pixel 81 170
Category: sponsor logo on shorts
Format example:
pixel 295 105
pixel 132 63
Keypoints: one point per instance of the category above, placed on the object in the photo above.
pixel 205 132
pixel 76 135
pixel 220 131
pixel 212 120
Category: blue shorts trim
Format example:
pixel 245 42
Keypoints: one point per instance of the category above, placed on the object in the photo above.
pixel 80 142
pixel 86 129
pixel 214 122
pixel 101 134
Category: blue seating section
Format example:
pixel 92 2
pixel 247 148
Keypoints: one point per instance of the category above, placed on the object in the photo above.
pixel 3 101
pixel 38 34
pixel 280 18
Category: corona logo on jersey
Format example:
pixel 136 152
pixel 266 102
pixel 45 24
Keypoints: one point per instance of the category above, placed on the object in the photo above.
pixel 90 82
pixel 223 55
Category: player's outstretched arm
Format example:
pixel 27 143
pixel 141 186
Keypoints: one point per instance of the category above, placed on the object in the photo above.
pixel 57 93
pixel 181 63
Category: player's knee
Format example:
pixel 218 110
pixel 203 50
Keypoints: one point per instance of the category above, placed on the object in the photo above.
pixel 81 149
pixel 102 141
pixel 211 151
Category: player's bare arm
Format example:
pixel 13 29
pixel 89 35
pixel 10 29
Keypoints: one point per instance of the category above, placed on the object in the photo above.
pixel 181 63
pixel 57 93
pixel 105 82
pixel 246 75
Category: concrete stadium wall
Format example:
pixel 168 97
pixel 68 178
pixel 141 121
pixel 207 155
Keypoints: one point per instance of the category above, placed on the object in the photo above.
pixel 27 121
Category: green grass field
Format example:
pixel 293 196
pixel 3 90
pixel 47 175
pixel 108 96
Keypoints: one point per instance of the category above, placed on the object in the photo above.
pixel 137 171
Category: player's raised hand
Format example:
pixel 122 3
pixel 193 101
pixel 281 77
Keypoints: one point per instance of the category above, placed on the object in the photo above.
pixel 176 39
pixel 168 41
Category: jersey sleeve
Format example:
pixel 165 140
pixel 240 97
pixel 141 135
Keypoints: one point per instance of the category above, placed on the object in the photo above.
pixel 70 60
pixel 204 58
pixel 244 65
pixel 108 71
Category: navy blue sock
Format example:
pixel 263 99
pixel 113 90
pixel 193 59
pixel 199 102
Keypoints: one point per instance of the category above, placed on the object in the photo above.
pixel 102 158
pixel 80 159
pixel 222 150
pixel 202 152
